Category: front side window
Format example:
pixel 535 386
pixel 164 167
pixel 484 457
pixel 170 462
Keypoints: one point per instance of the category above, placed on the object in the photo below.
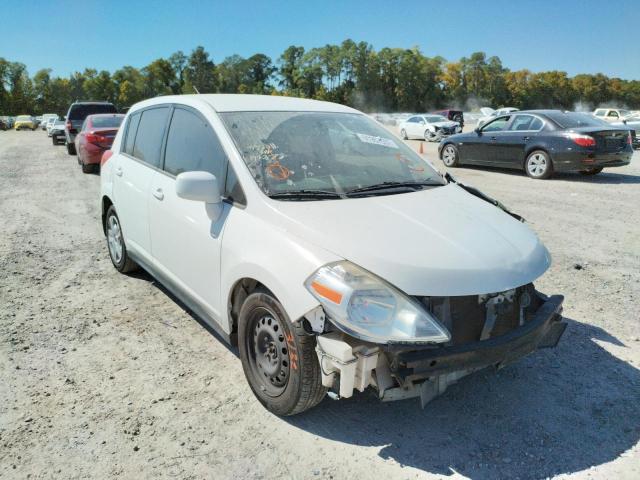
pixel 321 151
pixel 498 125
pixel 148 139
pixel 193 146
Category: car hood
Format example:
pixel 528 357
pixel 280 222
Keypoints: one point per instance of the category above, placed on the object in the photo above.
pixel 448 123
pixel 441 241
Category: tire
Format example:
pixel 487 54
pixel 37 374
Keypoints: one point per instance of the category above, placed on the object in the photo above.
pixel 87 168
pixel 278 357
pixel 119 257
pixel 591 171
pixel 430 136
pixel 538 165
pixel 53 141
pixel 403 134
pixel 71 148
pixel 450 156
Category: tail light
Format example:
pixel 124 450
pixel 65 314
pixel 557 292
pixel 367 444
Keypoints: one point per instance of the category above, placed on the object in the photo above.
pixel 96 139
pixel 582 140
pixel 105 156
pixel 629 139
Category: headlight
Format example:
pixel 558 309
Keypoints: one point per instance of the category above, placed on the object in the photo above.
pixel 369 308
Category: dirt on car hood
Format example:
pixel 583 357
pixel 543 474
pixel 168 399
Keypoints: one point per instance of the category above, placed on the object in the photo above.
pixel 440 241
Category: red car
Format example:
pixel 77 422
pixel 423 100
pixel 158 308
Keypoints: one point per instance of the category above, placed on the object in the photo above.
pixel 96 136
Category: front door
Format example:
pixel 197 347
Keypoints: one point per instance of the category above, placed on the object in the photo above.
pixel 186 240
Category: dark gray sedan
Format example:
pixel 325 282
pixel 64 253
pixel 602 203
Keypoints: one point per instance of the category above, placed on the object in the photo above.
pixel 541 142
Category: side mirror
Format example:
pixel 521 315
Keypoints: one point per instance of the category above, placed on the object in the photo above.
pixel 198 186
pixel 478 131
pixel 201 187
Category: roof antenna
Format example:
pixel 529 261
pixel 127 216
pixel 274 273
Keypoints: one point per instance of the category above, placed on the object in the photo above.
pixel 194 87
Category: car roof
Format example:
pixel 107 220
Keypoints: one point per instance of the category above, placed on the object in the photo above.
pixel 222 102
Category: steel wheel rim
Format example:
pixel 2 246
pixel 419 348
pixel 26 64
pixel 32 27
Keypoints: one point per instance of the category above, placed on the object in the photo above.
pixel 114 239
pixel 537 165
pixel 404 134
pixel 449 155
pixel 269 353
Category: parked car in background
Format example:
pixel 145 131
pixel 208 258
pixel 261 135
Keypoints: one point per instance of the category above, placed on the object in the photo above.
pixel 24 122
pixel 45 119
pixel 94 138
pixel 50 123
pixel 57 132
pixel 3 124
pixel 453 115
pixel 611 114
pixel 428 127
pixel 489 114
pixel 193 180
pixel 541 142
pixel 632 122
pixel 76 115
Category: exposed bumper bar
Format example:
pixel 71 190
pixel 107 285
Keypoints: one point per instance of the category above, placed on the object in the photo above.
pixel 543 331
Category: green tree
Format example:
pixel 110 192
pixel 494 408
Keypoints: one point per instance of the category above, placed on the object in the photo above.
pixel 199 73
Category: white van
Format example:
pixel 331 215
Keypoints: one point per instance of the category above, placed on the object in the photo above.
pixel 332 254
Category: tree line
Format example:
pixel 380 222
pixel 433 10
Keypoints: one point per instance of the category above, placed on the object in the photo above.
pixel 355 74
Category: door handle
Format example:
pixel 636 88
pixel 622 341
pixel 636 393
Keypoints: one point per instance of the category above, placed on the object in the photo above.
pixel 119 171
pixel 526 139
pixel 158 193
pixel 493 139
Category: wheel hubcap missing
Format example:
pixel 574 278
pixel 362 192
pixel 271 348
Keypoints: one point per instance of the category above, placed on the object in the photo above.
pixel 537 165
pixel 270 354
pixel 114 239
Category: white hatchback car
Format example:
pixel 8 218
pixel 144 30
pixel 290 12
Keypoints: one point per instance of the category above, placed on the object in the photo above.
pixel 334 255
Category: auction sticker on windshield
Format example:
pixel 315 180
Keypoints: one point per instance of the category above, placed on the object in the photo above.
pixel 385 142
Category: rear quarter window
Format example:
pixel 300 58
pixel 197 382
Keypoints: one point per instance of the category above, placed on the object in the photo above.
pixel 132 128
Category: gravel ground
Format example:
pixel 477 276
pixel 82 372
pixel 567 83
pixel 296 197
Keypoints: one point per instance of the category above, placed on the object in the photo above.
pixel 106 375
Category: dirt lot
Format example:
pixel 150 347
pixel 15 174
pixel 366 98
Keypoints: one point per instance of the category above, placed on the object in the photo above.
pixel 104 375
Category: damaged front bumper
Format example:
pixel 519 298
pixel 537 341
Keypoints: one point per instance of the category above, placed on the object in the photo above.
pixel 425 371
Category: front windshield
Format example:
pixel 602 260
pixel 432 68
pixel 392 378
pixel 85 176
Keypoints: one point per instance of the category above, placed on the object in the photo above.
pixel 317 151
pixel 436 118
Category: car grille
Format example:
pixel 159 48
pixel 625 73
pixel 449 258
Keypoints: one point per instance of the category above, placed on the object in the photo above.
pixel 465 316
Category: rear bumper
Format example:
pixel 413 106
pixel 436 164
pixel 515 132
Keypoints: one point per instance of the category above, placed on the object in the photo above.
pixel 584 159
pixel 93 154
pixel 543 331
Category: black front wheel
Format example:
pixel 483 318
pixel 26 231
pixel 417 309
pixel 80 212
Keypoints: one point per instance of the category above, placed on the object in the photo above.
pixel 450 155
pixel 278 356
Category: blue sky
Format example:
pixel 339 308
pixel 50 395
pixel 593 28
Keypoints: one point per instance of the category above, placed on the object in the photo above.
pixel 587 36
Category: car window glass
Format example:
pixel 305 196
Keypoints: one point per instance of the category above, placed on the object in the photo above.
pixel 233 190
pixel 193 146
pixel 84 125
pixel 613 114
pixel 536 124
pixel 498 125
pixel 132 128
pixel 149 136
pixel 600 113
pixel 521 122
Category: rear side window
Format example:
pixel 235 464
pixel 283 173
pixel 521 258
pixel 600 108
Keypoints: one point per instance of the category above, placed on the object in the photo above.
pixel 132 128
pixel 193 146
pixel 80 112
pixel 613 114
pixel 148 140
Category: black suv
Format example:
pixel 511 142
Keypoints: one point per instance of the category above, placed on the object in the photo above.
pixel 78 111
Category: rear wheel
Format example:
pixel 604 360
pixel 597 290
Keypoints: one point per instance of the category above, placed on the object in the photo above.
pixel 71 148
pixel 87 168
pixel 538 165
pixel 450 155
pixel 591 171
pixel 54 141
pixel 115 242
pixel 278 356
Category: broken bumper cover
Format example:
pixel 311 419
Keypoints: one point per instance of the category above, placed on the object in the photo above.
pixel 542 331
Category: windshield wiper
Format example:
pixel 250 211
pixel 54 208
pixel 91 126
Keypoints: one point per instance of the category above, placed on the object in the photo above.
pixel 306 194
pixel 393 185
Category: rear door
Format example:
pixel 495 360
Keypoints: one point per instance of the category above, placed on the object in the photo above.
pixel 136 164
pixel 509 145
pixel 186 242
